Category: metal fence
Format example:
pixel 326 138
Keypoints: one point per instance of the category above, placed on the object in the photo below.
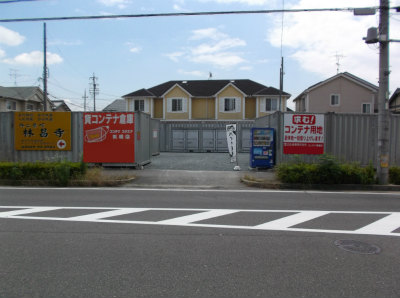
pixel 146 141
pixel 349 137
pixel 202 136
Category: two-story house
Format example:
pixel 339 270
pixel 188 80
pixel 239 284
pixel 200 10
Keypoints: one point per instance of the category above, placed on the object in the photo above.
pixel 394 102
pixel 22 99
pixel 207 100
pixel 342 93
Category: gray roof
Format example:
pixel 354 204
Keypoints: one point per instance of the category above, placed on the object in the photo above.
pixel 19 93
pixel 343 74
pixel 118 105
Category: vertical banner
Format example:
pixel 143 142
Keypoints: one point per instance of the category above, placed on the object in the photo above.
pixel 109 137
pixel 303 134
pixel 231 138
pixel 49 131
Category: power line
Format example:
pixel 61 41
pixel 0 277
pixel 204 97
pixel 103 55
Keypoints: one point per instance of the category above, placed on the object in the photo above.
pixel 16 1
pixel 180 14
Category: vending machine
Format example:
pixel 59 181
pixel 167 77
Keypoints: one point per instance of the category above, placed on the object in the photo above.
pixel 262 152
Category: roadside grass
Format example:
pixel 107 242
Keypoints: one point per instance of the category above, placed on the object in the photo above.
pixel 59 174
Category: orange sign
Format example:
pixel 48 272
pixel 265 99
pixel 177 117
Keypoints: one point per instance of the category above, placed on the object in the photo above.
pixel 42 131
pixel 109 137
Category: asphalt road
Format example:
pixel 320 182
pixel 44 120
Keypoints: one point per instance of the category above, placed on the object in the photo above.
pixel 185 243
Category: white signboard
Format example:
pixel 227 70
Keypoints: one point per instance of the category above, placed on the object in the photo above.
pixel 303 134
pixel 231 138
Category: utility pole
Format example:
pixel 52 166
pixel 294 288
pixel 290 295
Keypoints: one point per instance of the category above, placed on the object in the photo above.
pixel 44 68
pixel 84 101
pixel 383 111
pixel 281 85
pixel 94 89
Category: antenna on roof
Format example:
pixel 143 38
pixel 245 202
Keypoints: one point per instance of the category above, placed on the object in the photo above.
pixel 338 56
pixel 210 75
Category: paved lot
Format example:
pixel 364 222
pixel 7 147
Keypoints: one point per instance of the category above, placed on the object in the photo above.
pixel 197 161
pixel 196 170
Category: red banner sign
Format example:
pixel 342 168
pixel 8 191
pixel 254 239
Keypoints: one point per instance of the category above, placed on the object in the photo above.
pixel 109 138
pixel 303 134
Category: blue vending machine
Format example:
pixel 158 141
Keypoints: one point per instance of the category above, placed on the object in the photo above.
pixel 262 153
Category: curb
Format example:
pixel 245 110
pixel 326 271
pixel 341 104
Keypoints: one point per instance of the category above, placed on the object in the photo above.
pixel 298 186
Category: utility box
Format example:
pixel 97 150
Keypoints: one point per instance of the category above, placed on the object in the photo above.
pixel 262 151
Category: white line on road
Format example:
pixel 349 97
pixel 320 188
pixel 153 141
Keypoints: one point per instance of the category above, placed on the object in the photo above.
pixel 291 220
pixel 383 227
pixel 196 217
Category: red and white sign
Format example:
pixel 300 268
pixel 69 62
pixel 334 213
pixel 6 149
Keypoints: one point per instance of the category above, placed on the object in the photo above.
pixel 109 137
pixel 303 134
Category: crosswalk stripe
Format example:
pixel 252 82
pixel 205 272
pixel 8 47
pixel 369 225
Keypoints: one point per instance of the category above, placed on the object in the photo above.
pixel 27 211
pixel 384 225
pixel 105 214
pixel 291 220
pixel 196 217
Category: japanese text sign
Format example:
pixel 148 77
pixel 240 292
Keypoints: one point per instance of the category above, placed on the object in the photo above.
pixel 109 137
pixel 42 131
pixel 303 134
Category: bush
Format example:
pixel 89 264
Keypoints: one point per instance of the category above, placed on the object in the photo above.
pixel 57 173
pixel 394 175
pixel 327 171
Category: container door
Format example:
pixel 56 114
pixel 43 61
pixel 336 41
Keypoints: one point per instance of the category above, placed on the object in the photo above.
pixel 222 143
pixel 192 140
pixel 178 140
pixel 209 140
pixel 246 140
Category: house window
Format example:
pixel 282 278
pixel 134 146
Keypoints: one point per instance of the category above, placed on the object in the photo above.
pixel 139 105
pixel 176 105
pixel 335 99
pixel 11 105
pixel 229 105
pixel 271 104
pixel 29 107
pixel 366 108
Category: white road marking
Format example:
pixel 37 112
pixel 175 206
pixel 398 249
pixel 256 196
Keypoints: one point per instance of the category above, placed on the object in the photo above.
pixel 383 227
pixel 387 193
pixel 26 211
pixel 105 214
pixel 291 220
pixel 184 220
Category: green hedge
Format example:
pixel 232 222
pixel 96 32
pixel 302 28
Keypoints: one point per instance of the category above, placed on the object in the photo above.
pixel 327 171
pixel 394 175
pixel 55 173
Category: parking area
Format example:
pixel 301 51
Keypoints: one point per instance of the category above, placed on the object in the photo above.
pixel 197 161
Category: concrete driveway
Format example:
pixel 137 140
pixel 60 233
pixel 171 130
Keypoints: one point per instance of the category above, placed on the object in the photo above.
pixel 196 170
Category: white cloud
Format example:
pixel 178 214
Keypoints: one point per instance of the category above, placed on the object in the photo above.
pixel 10 38
pixel 194 73
pixel 223 60
pixel 121 4
pixel 135 49
pixel 248 2
pixel 2 53
pixel 34 58
pixel 175 56
pixel 207 33
pixel 314 39
pixel 58 42
pixel 216 48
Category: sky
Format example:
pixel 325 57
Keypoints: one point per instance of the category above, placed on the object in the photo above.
pixel 130 54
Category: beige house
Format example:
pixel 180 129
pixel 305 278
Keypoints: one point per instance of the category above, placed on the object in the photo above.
pixel 22 99
pixel 207 100
pixel 342 93
pixel 394 102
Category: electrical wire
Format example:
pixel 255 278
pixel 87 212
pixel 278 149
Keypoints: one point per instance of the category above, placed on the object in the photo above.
pixel 180 14
pixel 16 1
